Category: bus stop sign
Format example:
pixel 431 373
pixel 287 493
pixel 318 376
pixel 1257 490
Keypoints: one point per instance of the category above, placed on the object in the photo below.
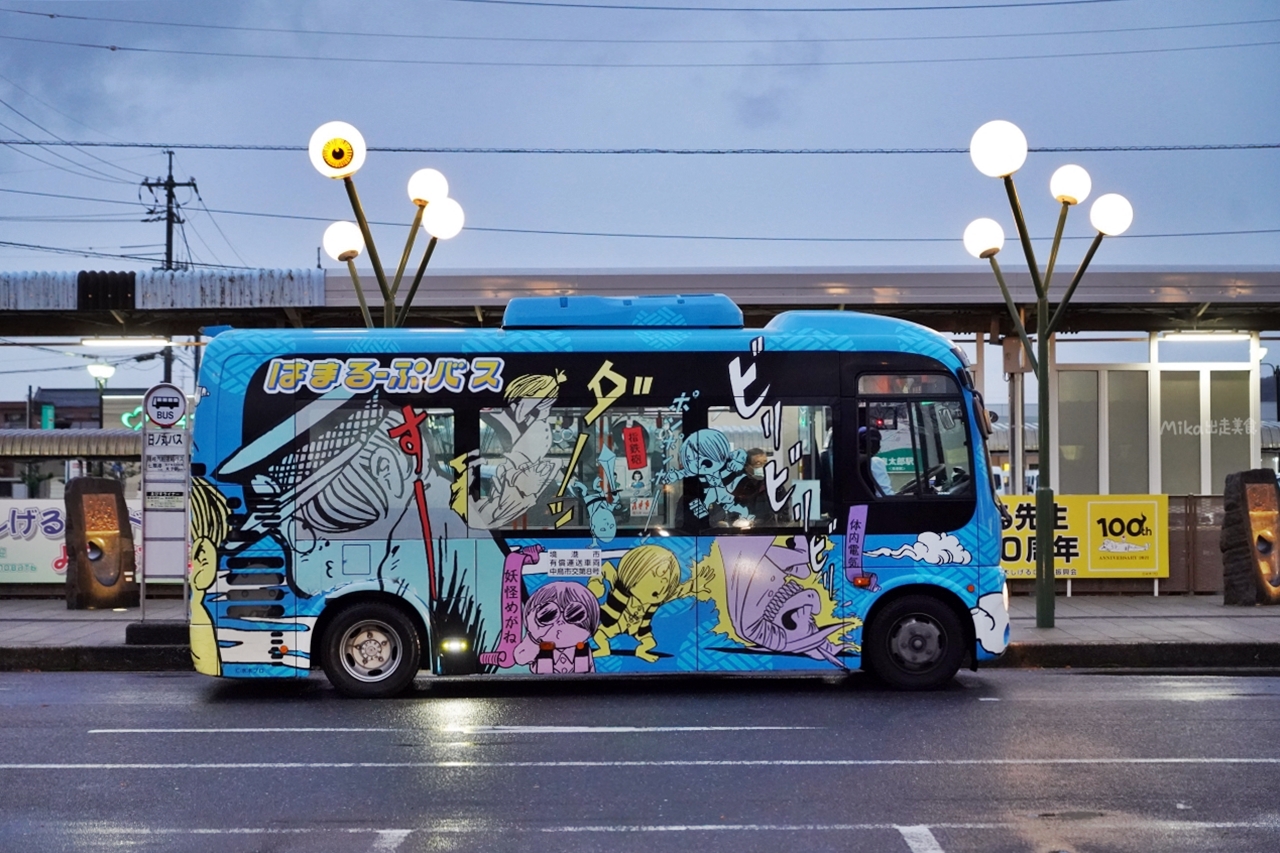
pixel 165 405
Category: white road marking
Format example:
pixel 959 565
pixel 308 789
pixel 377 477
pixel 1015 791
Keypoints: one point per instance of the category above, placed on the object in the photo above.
pixel 468 827
pixel 765 762
pixel 920 839
pixel 988 699
pixel 567 730
pixel 230 730
pixel 389 839
pixel 536 730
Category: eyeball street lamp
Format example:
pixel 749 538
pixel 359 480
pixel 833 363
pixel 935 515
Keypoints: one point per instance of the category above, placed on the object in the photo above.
pixel 337 150
pixel 998 149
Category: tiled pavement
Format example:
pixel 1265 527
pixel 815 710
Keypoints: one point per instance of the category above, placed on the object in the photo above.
pixel 1144 619
pixel 26 622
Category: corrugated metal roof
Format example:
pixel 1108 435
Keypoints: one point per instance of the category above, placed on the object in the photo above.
pixel 298 288
pixel 38 291
pixel 70 443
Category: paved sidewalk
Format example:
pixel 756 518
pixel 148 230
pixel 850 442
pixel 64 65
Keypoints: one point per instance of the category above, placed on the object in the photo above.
pixel 1174 631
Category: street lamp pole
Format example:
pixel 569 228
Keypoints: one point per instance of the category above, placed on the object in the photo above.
pixel 337 151
pixel 999 149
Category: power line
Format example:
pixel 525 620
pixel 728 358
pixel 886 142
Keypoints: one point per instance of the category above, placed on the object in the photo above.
pixel 90 253
pixel 635 7
pixel 36 124
pixel 562 40
pixel 477 63
pixel 421 149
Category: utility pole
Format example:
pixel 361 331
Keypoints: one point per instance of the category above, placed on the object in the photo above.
pixel 171 216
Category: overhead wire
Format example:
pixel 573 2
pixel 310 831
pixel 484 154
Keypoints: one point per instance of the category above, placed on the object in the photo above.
pixel 425 149
pixel 564 40
pixel 488 63
pixel 89 154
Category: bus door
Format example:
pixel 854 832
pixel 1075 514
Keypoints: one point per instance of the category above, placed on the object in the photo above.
pixel 771 584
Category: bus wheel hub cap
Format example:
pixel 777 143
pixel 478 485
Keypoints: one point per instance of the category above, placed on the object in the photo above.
pixel 917 642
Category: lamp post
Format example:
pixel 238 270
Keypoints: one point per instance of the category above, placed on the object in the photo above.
pixel 337 151
pixel 101 372
pixel 998 149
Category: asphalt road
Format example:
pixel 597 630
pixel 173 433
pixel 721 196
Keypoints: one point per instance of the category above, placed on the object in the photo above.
pixel 1001 761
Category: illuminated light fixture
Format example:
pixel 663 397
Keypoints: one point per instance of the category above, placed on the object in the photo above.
pixel 983 238
pixel 998 149
pixel 427 186
pixel 124 342
pixel 453 646
pixel 1194 336
pixel 100 371
pixel 1111 214
pixel 1070 184
pixel 343 241
pixel 443 219
pixel 337 150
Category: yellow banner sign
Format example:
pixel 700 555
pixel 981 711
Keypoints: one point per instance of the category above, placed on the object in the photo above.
pixel 1095 536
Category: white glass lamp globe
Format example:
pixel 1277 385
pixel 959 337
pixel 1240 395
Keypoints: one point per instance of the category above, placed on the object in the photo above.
pixel 443 219
pixel 100 370
pixel 998 148
pixel 343 241
pixel 983 238
pixel 427 186
pixel 1070 185
pixel 1111 214
pixel 337 149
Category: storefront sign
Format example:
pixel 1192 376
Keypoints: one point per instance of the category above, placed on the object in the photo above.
pixel 33 540
pixel 1096 536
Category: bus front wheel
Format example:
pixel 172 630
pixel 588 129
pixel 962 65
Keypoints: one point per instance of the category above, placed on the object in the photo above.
pixel 371 650
pixel 915 643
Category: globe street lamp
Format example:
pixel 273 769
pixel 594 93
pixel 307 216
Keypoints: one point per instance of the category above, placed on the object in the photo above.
pixel 101 372
pixel 337 151
pixel 998 149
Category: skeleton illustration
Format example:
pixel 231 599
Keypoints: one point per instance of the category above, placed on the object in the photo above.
pixel 525 471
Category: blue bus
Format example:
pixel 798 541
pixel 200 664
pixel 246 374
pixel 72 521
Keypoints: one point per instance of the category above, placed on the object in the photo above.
pixel 602 485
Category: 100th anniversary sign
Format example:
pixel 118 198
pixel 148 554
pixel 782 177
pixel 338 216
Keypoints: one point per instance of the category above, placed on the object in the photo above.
pixel 1095 536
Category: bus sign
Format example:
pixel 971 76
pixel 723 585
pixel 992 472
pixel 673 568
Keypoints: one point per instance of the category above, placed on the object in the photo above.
pixel 165 405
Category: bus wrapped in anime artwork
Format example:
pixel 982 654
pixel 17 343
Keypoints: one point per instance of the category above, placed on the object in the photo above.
pixel 601 486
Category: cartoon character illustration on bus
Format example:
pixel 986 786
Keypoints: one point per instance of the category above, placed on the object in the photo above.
pixel 559 619
pixel 647 577
pixel 772 594
pixel 210 527
pixel 525 470
pixel 707 456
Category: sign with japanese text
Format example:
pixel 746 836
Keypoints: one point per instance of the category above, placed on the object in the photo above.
pixel 1095 536
pixel 166 483
pixel 573 562
pixel 33 540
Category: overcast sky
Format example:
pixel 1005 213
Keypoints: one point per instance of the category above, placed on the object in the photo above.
pixel 468 73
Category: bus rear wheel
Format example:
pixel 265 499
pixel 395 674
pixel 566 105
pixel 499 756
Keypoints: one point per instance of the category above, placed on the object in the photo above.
pixel 371 650
pixel 915 643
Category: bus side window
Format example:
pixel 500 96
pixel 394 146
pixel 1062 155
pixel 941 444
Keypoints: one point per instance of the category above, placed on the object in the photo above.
pixel 740 468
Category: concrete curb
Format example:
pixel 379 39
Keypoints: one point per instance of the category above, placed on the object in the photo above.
pixel 1131 656
pixel 1177 655
pixel 96 659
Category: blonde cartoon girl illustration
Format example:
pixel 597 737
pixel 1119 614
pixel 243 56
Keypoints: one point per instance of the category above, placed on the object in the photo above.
pixel 646 578
pixel 209 529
